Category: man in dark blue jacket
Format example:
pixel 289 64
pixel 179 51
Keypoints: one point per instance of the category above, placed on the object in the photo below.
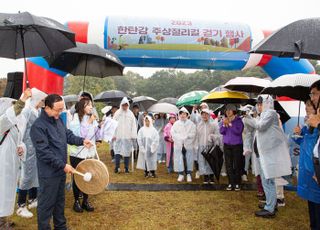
pixel 50 138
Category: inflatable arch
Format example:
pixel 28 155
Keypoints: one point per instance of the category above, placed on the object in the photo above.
pixel 149 42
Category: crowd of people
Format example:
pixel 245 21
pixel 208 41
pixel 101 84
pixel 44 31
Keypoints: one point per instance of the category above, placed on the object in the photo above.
pixel 35 138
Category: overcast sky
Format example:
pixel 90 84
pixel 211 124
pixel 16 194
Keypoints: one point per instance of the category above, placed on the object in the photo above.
pixel 271 14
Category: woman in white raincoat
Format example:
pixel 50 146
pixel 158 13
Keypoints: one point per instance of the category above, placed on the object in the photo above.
pixel 29 183
pixel 207 135
pixel 183 134
pixel 272 146
pixel 125 134
pixel 12 124
pixel 148 140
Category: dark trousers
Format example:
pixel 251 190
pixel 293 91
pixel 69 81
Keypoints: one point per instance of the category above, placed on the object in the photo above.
pixel 51 201
pixel 259 185
pixel 314 215
pixel 22 196
pixel 126 161
pixel 74 161
pixel 233 157
pixel 112 153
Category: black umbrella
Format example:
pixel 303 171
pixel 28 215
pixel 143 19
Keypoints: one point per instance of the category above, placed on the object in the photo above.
pixel 87 60
pixel 25 35
pixel 143 102
pixel 214 157
pixel 170 100
pixel 111 96
pixel 295 86
pixel 299 39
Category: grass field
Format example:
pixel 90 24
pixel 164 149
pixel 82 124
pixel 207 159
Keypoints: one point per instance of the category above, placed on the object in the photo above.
pixel 175 210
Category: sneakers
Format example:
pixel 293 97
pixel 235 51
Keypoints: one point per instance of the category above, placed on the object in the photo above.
pixel 159 161
pixel 163 161
pixel 153 174
pixel 262 205
pixel 87 206
pixel 206 179
pixel 237 187
pixel 77 207
pixel 189 179
pixel 33 204
pixel 211 179
pixel 180 178
pixel 281 203
pixel 24 212
pixel 244 177
pixel 265 214
pixel 126 171
pixel 229 187
pixel 117 170
pixel 197 176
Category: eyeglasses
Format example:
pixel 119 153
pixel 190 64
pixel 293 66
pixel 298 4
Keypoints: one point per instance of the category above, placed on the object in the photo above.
pixel 313 94
pixel 57 110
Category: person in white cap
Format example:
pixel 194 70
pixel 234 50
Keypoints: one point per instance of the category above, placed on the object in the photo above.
pixel 125 134
pixel 183 134
pixel 207 135
pixel 148 140
pixel 12 125
pixel 29 182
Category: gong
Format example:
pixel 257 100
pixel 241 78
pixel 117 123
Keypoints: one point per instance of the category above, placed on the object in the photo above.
pixel 99 180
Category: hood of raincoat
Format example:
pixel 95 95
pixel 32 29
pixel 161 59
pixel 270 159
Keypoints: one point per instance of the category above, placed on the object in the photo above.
pixel 267 102
pixel 204 104
pixel 207 111
pixel 184 110
pixel 124 101
pixel 148 131
pixel 172 115
pixel 86 94
pixel 5 103
pixel 37 96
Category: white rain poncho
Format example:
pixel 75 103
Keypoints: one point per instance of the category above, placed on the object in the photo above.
pixel 159 125
pixel 250 123
pixel 9 160
pixel 248 131
pixel 108 129
pixel 183 134
pixel 148 140
pixel 271 142
pixel 29 170
pixel 126 132
pixel 207 135
pixel 87 131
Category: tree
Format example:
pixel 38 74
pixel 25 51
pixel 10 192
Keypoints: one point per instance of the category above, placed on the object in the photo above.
pixel 73 85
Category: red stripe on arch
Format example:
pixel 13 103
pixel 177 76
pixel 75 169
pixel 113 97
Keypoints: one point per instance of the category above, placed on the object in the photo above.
pixel 264 60
pixel 80 29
